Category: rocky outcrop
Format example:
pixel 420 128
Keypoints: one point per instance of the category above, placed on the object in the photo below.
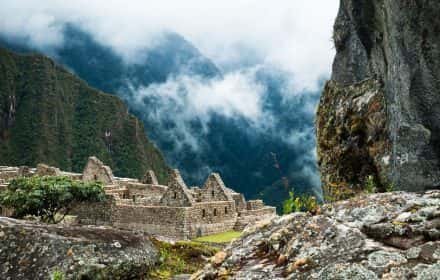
pixel 380 115
pixel 36 251
pixel 382 236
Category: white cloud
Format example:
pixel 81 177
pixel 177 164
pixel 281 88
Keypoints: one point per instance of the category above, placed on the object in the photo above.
pixel 189 98
pixel 292 34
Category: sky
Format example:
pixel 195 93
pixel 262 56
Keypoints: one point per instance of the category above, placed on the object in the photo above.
pixel 292 34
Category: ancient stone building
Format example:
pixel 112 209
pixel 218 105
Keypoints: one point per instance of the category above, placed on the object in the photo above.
pixel 174 210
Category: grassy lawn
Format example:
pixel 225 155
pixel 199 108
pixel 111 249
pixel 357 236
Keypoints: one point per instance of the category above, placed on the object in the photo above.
pixel 224 237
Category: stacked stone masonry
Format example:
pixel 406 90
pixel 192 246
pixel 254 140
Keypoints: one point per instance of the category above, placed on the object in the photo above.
pixel 174 211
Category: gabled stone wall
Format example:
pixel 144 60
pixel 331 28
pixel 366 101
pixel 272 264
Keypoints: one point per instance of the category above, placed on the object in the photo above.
pixel 214 189
pixel 177 194
pixel 95 170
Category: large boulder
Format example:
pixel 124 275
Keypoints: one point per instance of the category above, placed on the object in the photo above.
pixel 379 115
pixel 30 250
pixel 382 236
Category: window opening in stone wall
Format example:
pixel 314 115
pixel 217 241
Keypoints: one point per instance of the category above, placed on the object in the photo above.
pixel 212 193
pixel 226 210
pixel 215 212
pixel 95 177
pixel 175 195
pixel 203 213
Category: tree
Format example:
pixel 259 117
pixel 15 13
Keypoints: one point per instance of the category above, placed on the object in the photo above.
pixel 50 197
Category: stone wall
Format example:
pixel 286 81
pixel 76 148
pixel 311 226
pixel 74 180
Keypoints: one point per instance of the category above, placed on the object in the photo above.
pixel 95 170
pixel 46 170
pixel 254 204
pixel 158 220
pixel 144 190
pixel 211 217
pixel 6 212
pixel 7 173
pixel 214 189
pixel 240 202
pixel 248 217
pixel 100 213
pixel 177 194
pixel 150 178
pixel 177 222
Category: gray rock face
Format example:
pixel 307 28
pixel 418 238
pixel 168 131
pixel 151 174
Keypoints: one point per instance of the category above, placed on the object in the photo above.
pixel 396 43
pixel 382 236
pixel 35 251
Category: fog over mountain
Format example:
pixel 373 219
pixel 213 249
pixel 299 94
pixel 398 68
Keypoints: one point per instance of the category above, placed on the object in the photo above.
pixel 229 86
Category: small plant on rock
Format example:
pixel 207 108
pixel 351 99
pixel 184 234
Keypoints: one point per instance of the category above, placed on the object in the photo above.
pixel 50 198
pixel 304 203
pixel 370 184
pixel 389 187
pixel 57 275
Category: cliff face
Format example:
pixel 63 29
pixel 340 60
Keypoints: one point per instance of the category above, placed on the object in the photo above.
pixel 49 115
pixel 380 115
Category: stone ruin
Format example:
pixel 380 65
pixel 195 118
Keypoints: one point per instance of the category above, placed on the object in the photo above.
pixel 173 210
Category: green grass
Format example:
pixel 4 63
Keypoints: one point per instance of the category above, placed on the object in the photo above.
pixel 183 257
pixel 224 237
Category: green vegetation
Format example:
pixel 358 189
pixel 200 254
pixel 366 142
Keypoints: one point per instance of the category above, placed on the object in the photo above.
pixel 303 203
pixel 335 192
pixel 224 237
pixel 50 198
pixel 48 115
pixel 370 185
pixel 389 187
pixel 183 257
pixel 57 275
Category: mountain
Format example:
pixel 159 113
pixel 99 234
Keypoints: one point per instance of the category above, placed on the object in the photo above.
pixel 379 115
pixel 252 158
pixel 49 115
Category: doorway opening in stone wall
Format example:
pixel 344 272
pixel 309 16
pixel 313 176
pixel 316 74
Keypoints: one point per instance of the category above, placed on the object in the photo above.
pixel 199 232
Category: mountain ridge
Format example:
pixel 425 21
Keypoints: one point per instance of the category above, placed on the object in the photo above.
pixel 48 115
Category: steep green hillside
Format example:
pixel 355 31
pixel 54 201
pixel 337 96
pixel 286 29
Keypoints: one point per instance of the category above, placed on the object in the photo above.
pixel 49 115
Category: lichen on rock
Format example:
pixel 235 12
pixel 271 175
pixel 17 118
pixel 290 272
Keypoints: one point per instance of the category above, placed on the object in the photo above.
pixel 352 136
pixel 352 239
pixel 31 250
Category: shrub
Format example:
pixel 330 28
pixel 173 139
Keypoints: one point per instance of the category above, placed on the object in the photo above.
pixel 304 203
pixel 50 198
